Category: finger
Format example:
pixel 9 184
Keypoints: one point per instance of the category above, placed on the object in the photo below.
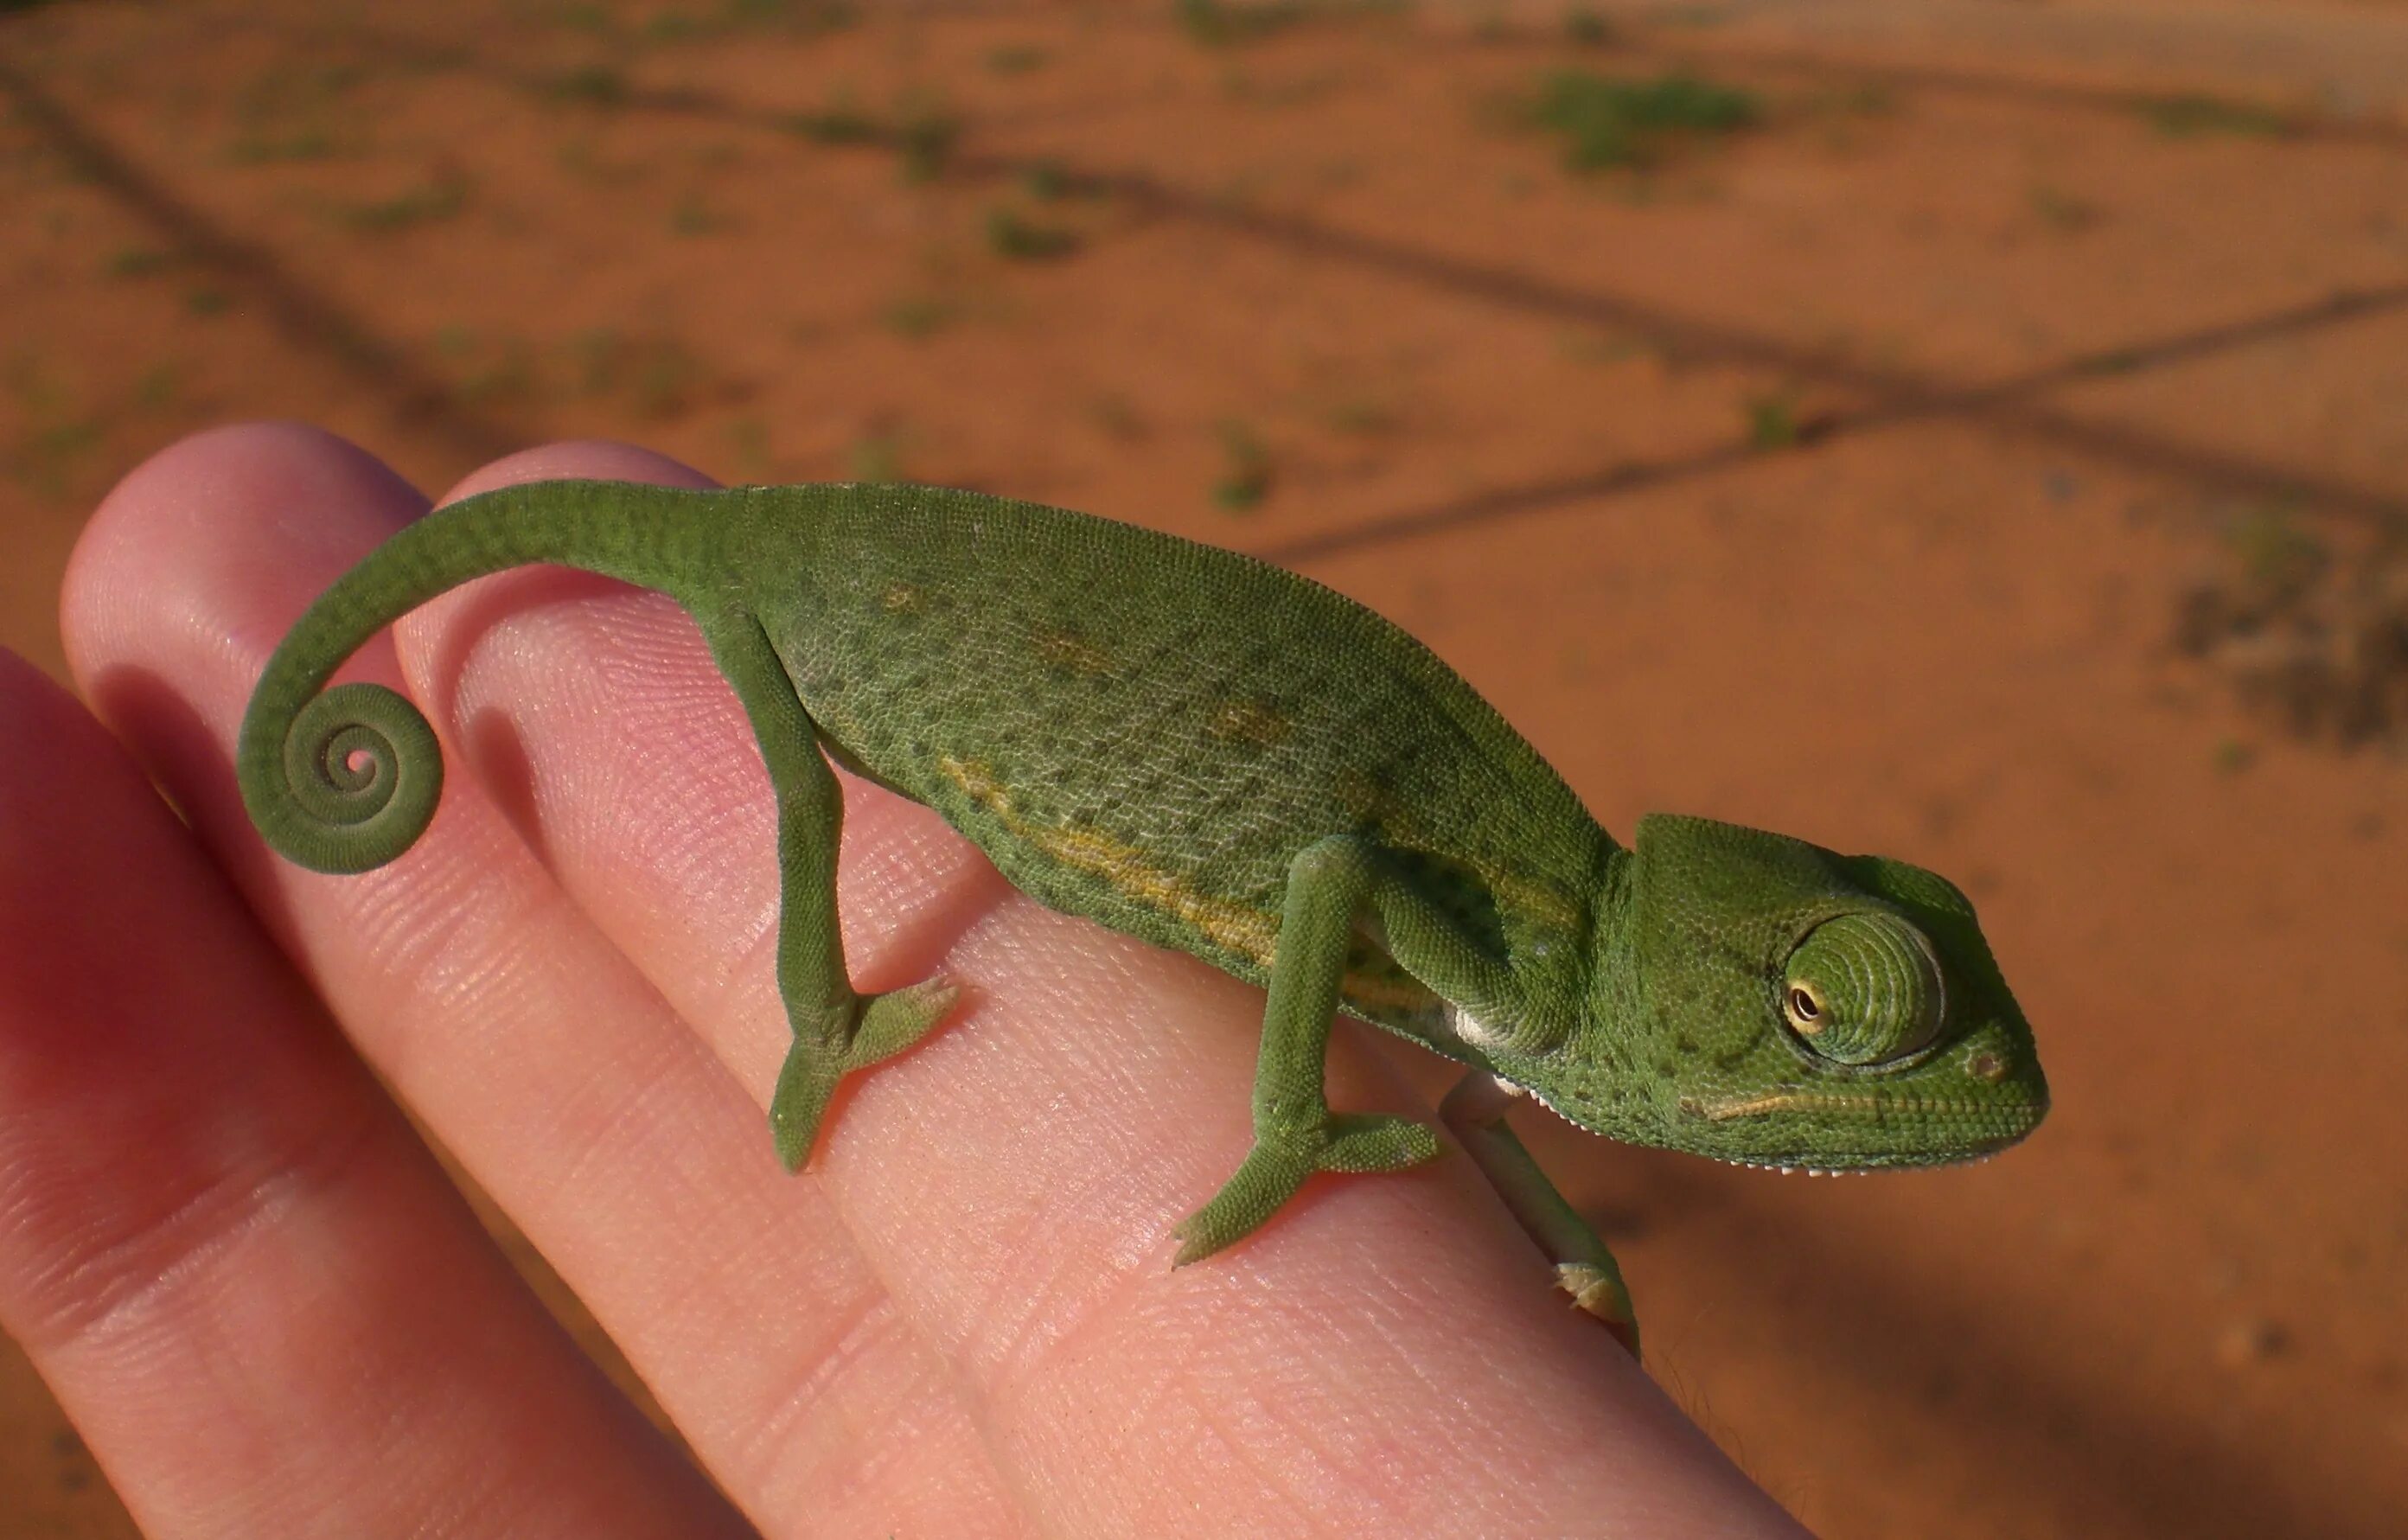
pixel 1012 1181
pixel 546 1064
pixel 262 1303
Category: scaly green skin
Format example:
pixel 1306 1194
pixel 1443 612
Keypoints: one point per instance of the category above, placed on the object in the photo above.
pixel 1218 755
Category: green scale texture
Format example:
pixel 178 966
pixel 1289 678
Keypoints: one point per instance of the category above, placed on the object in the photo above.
pixel 1151 743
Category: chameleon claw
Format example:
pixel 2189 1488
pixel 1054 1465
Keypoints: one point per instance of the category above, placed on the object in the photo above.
pixel 1270 1177
pixel 892 1022
pixel 879 1027
pixel 1275 1168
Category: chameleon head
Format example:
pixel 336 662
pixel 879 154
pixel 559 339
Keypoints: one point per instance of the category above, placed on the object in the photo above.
pixel 1781 1005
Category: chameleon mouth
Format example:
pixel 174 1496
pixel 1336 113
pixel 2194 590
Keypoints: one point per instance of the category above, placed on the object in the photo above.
pixel 2024 1115
pixel 1982 1127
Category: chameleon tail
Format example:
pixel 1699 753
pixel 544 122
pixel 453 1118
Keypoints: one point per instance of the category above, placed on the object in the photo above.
pixel 348 778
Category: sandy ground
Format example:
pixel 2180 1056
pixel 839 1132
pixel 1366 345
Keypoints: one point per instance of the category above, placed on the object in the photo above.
pixel 1995 457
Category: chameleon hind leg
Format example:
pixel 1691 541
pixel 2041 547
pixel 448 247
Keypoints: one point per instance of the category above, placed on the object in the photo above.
pixel 1474 1112
pixel 837 1029
pixel 1331 882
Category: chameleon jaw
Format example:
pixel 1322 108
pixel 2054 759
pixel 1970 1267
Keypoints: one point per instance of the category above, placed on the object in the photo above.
pixel 2010 1123
pixel 1849 1101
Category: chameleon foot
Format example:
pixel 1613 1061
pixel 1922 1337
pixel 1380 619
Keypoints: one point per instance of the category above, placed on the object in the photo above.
pixel 1584 1268
pixel 1276 1167
pixel 873 1028
pixel 1599 1291
pixel 892 1022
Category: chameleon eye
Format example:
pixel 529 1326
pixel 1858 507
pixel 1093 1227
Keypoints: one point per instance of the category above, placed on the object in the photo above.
pixel 1864 989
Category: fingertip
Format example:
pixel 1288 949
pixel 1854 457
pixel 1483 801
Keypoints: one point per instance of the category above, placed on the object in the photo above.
pixel 579 459
pixel 227 506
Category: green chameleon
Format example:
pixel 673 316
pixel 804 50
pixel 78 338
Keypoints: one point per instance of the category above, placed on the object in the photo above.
pixel 1218 755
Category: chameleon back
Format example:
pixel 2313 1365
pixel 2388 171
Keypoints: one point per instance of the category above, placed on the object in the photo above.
pixel 1146 730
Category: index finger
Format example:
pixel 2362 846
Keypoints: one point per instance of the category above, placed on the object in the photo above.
pixel 1387 1346
pixel 1014 1182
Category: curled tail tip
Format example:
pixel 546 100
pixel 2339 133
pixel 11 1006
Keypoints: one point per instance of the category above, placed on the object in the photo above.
pixel 344 783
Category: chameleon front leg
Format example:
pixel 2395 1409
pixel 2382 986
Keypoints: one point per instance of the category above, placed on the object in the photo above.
pixel 1475 1110
pixel 1329 884
pixel 837 1030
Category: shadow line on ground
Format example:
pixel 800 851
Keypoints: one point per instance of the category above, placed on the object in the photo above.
pixel 305 318
pixel 2228 475
pixel 1897 396
pixel 312 321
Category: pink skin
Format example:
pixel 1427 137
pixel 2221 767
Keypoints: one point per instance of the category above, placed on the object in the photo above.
pixel 252 1289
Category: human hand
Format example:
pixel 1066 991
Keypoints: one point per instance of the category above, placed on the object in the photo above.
pixel 268 1311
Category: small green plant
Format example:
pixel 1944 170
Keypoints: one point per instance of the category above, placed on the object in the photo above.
pixel 2279 559
pixel 805 17
pixel 2188 115
pixel 136 261
pixel 290 113
pixel 1218 23
pixel 207 301
pixel 511 377
pixel 1362 416
pixel 677 27
pixel 1609 123
pixel 694 217
pixel 484 372
pixel 1868 99
pixel 1016 58
pixel 1046 179
pixel 47 457
pixel 1117 417
pixel 307 144
pixel 925 134
pixel 592 85
pixel 2062 210
pixel 1586 28
pixel 156 388
pixel 661 379
pixel 842 124
pixel 441 199
pixel 283 90
pixel 1019 239
pixel 1247 479
pixel 1772 422
pixel 578 157
pixel 55 434
pixel 918 316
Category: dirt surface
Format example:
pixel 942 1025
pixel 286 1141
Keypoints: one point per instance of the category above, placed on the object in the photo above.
pixel 1991 454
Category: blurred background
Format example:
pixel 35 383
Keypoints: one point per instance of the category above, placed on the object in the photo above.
pixel 1974 430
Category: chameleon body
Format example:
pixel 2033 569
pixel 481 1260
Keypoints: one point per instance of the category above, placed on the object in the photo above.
pixel 1218 755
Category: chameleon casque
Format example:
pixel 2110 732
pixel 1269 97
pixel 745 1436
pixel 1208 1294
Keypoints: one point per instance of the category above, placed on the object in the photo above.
pixel 1215 754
